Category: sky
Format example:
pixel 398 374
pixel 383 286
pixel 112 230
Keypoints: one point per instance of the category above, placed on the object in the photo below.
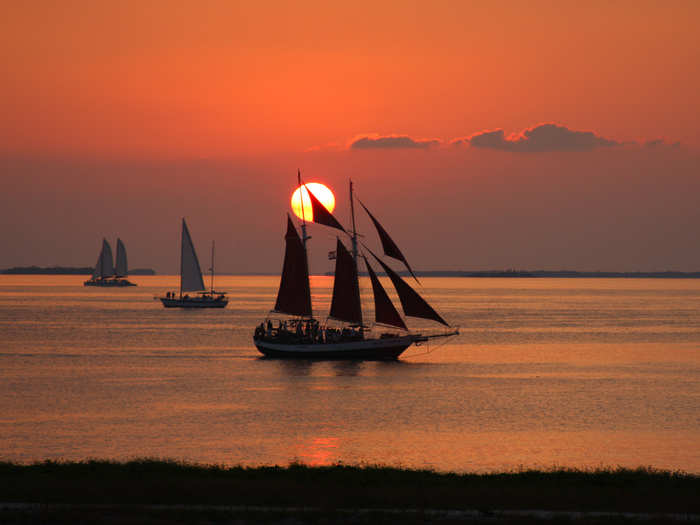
pixel 527 135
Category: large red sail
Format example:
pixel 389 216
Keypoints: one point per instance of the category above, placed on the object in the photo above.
pixel 294 296
pixel 413 304
pixel 345 305
pixel 384 310
pixel 320 214
pixel 389 246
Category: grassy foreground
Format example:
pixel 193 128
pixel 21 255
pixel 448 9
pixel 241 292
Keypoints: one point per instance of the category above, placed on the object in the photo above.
pixel 156 482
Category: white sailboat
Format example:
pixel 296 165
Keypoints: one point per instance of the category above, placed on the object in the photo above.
pixel 300 335
pixel 105 273
pixel 191 280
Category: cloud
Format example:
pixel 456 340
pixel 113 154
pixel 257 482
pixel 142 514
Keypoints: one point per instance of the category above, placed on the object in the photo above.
pixel 660 143
pixel 392 142
pixel 545 137
pixel 541 138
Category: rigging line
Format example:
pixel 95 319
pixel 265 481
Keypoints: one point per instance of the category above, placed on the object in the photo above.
pixel 430 350
pixel 301 197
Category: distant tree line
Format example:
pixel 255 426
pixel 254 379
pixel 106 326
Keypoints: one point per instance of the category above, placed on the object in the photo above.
pixel 548 273
pixel 64 270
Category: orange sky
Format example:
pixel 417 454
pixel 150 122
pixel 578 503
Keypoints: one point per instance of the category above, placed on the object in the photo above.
pixel 221 78
pixel 119 118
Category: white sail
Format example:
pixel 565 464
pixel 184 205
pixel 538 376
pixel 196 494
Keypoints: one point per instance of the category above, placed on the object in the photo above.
pixel 190 271
pixel 122 267
pixel 105 266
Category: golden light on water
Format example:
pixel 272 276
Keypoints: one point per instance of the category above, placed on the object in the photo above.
pixel 301 200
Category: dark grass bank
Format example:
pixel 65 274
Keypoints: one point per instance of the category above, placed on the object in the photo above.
pixel 154 482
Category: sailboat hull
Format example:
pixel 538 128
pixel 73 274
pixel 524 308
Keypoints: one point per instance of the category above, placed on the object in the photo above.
pixel 109 282
pixel 195 302
pixel 366 349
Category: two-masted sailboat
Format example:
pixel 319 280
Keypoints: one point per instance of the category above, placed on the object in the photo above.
pixel 300 335
pixel 105 273
pixel 191 280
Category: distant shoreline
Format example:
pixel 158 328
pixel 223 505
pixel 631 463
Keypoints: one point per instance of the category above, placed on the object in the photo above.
pixel 552 274
pixel 64 270
pixel 567 274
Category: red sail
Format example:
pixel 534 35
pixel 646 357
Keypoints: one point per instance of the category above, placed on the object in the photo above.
pixel 389 246
pixel 294 296
pixel 413 304
pixel 345 305
pixel 320 214
pixel 384 311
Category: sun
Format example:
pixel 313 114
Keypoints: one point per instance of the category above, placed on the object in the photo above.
pixel 321 192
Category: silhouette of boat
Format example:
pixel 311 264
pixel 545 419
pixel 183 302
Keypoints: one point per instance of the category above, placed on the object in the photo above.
pixel 191 280
pixel 292 331
pixel 105 273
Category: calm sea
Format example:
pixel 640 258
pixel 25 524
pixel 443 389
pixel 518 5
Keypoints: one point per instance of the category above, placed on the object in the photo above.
pixel 546 372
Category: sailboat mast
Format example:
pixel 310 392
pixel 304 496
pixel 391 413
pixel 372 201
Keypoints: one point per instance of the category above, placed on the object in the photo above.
pixel 304 236
pixel 354 231
pixel 182 254
pixel 102 262
pixel 354 248
pixel 212 267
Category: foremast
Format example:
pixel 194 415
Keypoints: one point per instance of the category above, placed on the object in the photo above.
pixel 304 236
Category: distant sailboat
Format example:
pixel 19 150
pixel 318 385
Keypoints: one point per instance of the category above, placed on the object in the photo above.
pixel 105 274
pixel 300 335
pixel 191 280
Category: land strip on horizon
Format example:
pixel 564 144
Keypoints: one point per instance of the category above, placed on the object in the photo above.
pixel 667 274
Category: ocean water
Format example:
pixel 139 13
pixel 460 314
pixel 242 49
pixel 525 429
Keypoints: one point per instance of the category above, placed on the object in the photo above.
pixel 546 372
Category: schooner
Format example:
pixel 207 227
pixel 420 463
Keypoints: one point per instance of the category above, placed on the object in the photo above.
pixel 301 335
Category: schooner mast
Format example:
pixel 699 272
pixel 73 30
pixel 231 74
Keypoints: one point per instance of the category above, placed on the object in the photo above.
pixel 354 230
pixel 347 280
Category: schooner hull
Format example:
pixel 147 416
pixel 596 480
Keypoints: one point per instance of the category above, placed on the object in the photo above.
pixel 194 302
pixel 366 349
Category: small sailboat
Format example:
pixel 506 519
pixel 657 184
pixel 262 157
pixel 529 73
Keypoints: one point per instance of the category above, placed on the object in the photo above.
pixel 105 273
pixel 191 280
pixel 300 335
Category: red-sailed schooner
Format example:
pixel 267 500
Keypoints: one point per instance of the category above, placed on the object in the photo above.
pixel 291 331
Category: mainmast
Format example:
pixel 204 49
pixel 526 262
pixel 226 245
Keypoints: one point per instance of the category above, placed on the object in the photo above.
pixel 354 231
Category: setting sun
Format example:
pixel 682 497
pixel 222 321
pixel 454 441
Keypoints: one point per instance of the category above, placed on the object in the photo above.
pixel 321 192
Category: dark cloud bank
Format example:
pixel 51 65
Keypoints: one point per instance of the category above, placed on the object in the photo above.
pixel 547 137
pixel 541 138
pixel 393 142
